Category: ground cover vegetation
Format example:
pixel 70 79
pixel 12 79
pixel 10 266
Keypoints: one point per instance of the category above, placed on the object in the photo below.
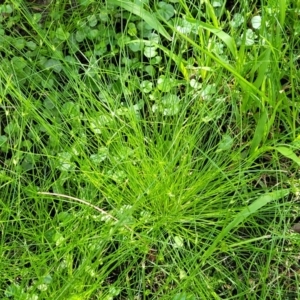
pixel 149 149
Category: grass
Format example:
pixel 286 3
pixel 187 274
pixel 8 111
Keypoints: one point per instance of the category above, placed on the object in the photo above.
pixel 149 164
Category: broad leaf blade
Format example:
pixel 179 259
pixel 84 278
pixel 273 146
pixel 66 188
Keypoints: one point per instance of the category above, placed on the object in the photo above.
pixel 287 152
pixel 261 67
pixel 137 10
pixel 226 38
pixel 259 133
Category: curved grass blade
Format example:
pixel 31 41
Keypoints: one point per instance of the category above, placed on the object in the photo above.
pixel 242 216
pixel 148 17
pixel 179 61
pixel 288 153
pixel 247 86
pixel 226 38
pixel 260 131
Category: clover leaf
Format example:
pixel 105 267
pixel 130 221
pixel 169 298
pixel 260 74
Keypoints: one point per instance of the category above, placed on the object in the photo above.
pixel 237 20
pixel 256 22
pixel 92 20
pixel 150 51
pixel 61 34
pixel 64 162
pixel 100 156
pixel 165 84
pixel 53 64
pixel 250 37
pixel 165 10
pixel 136 46
pixel 171 105
pixel 146 86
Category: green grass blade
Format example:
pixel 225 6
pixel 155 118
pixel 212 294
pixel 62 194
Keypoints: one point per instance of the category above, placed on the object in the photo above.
pixel 243 215
pixel 179 61
pixel 288 153
pixel 211 13
pixel 148 17
pixel 247 86
pixel 262 67
pixel 282 11
pixel 259 131
pixel 226 38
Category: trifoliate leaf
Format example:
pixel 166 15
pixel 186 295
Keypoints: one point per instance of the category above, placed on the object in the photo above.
pixel 237 20
pixel 61 34
pixel 165 10
pixel 165 84
pixel 92 20
pixel 146 86
pixel 256 22
pixel 150 52
pixel 136 46
pixel 53 64
pixel 171 105
pixel 250 37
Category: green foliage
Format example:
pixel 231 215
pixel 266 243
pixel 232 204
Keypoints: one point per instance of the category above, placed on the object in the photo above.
pixel 149 149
